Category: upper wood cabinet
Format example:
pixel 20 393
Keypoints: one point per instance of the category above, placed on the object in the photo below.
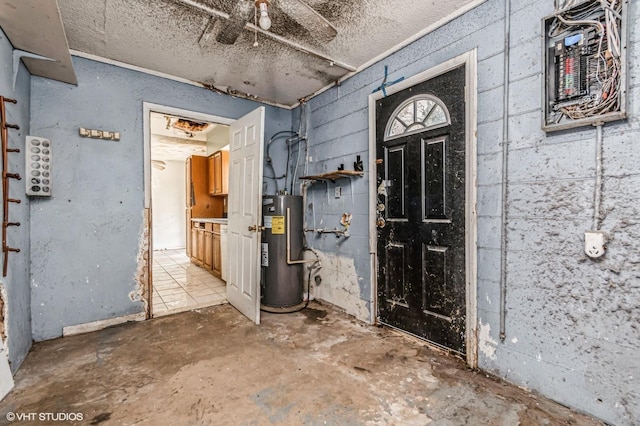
pixel 219 173
pixel 197 189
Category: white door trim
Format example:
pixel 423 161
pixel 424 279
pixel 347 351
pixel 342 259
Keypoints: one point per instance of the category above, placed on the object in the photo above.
pixel 6 378
pixel 470 60
pixel 147 108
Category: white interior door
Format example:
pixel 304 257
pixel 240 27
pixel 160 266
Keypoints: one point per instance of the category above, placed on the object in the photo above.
pixel 244 212
pixel 6 379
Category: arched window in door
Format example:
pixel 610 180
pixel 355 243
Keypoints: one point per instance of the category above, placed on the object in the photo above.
pixel 417 114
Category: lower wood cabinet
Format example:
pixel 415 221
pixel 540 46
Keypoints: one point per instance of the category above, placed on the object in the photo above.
pixel 208 250
pixel 217 261
pixel 194 243
pixel 205 246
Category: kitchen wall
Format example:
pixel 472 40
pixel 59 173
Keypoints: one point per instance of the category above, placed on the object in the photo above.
pixel 86 239
pixel 14 288
pixel 571 322
pixel 168 203
pixel 217 139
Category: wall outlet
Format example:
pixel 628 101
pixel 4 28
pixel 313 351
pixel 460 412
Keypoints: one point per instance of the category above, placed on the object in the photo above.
pixel 338 192
pixel 594 245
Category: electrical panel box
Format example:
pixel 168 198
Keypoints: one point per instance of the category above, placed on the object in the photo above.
pixel 585 64
pixel 38 166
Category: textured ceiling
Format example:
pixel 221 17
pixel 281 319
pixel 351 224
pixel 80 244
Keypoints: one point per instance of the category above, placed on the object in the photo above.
pixel 178 39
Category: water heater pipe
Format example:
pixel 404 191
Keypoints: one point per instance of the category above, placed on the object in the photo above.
pixel 289 261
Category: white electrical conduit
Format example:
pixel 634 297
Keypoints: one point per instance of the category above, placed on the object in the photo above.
pixel 276 37
pixel 505 172
pixel 598 190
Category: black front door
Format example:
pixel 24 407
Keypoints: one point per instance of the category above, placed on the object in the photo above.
pixel 421 210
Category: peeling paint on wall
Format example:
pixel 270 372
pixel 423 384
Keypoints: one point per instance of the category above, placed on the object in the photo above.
pixel 3 313
pixel 339 285
pixel 486 344
pixel 142 271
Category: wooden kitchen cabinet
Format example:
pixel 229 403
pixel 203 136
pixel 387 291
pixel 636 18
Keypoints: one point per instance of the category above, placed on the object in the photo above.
pixel 219 173
pixel 216 267
pixel 205 247
pixel 193 253
pixel 201 245
pixel 208 251
pixel 198 202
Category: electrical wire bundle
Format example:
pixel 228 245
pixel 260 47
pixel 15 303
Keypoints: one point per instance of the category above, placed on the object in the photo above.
pixel 604 67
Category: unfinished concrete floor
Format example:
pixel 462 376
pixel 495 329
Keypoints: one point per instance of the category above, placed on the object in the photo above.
pixel 316 367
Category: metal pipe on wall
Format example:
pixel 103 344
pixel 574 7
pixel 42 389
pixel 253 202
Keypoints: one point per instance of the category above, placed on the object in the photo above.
pixel 597 197
pixel 505 171
pixel 289 261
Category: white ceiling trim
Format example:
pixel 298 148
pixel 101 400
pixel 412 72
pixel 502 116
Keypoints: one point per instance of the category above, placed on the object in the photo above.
pixel 172 77
pixel 399 46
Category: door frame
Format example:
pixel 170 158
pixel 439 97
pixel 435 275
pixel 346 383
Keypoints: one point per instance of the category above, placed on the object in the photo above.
pixel 147 239
pixel 470 61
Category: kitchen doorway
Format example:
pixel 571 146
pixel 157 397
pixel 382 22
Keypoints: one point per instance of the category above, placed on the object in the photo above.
pixel 175 140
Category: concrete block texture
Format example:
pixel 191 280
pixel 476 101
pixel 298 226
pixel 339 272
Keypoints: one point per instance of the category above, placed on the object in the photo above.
pixel 566 313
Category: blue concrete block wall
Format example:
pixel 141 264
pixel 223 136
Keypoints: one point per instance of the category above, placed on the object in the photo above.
pixel 16 283
pixel 572 322
pixel 85 239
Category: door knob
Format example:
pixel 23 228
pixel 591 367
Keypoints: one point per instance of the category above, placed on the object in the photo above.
pixel 256 228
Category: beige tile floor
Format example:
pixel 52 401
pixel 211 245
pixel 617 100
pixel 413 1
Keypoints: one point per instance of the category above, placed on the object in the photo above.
pixel 179 285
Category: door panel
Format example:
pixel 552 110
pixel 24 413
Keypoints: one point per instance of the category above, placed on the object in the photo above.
pixel 434 178
pixel 245 175
pixel 395 279
pixel 421 246
pixel 395 182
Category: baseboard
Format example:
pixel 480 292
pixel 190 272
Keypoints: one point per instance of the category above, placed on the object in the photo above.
pixel 88 327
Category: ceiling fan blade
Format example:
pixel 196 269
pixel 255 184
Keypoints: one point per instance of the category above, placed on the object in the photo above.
pixel 240 14
pixel 306 16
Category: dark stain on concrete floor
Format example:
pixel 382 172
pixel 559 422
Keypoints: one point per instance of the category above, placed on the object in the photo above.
pixel 315 367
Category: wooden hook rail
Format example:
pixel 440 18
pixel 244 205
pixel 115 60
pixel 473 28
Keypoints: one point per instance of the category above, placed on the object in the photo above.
pixel 5 181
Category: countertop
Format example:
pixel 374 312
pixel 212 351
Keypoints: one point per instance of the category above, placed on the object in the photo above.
pixel 220 220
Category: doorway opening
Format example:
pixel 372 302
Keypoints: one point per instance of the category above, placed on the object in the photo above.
pixel 179 146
